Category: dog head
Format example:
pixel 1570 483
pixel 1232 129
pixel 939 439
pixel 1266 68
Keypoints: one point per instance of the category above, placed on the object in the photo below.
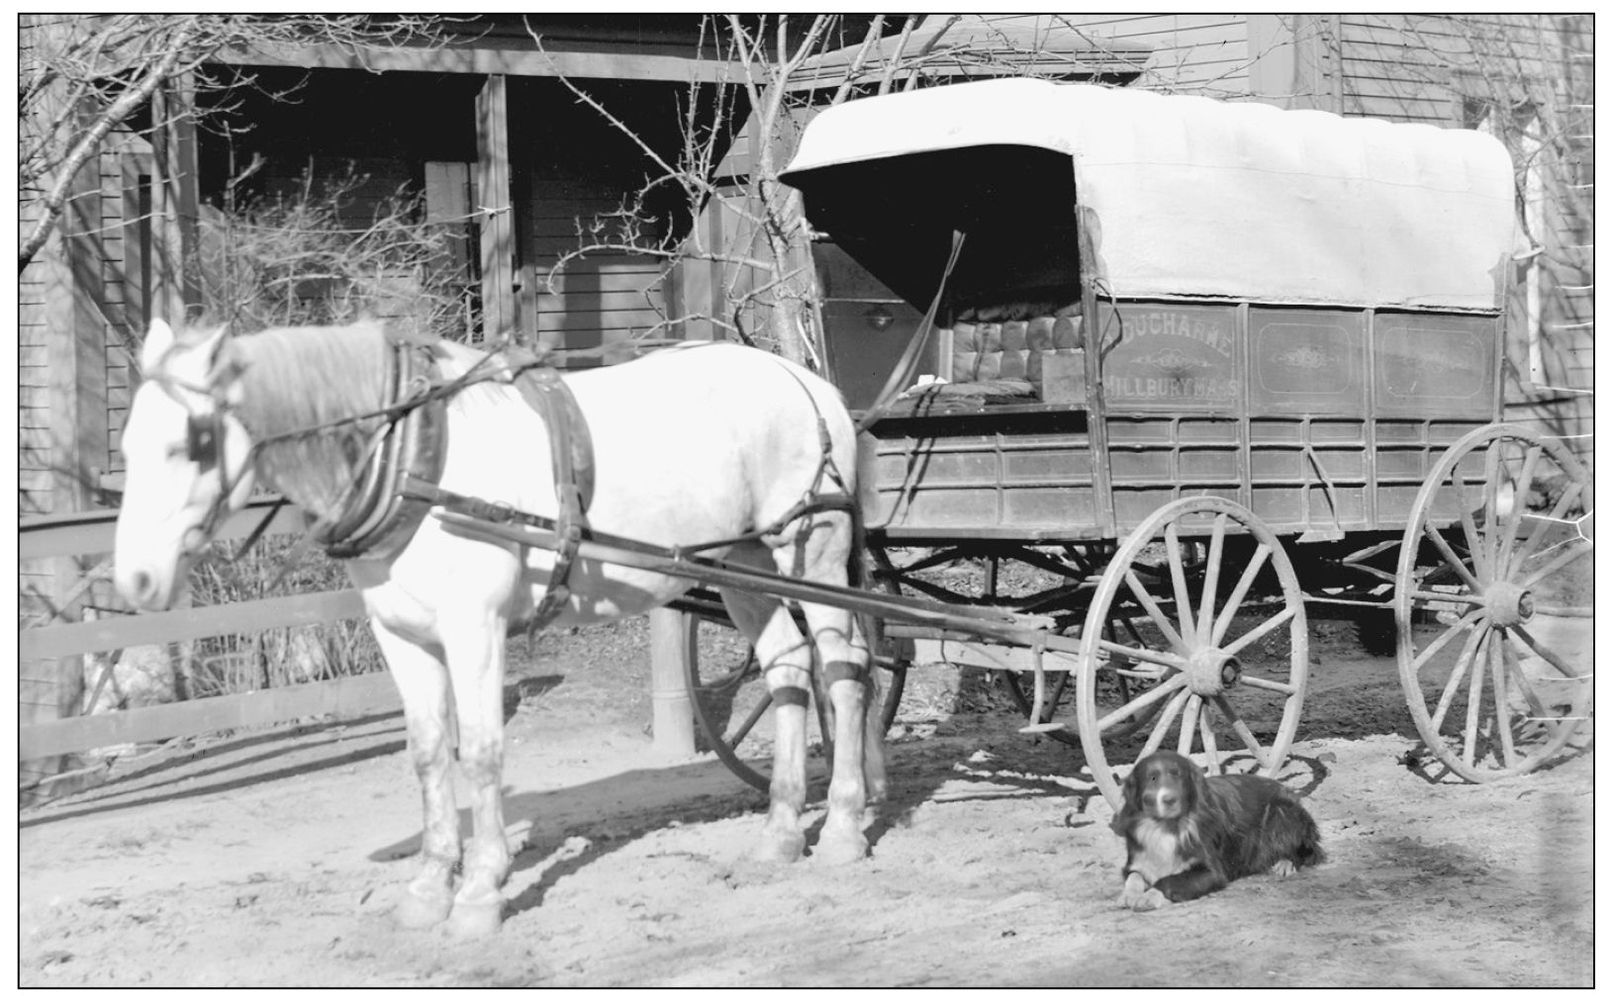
pixel 1163 786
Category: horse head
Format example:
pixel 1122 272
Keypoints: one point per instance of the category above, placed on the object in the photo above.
pixel 188 461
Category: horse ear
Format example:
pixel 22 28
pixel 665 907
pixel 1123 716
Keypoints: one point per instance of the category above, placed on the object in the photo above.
pixel 210 344
pixel 159 340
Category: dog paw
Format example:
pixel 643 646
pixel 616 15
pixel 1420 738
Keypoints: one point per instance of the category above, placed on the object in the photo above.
pixel 1154 899
pixel 1284 868
pixel 1133 889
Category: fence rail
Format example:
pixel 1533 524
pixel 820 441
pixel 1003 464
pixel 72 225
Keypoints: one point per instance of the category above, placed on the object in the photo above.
pixel 91 533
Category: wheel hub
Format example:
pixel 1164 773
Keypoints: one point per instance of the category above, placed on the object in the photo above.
pixel 1212 672
pixel 1508 604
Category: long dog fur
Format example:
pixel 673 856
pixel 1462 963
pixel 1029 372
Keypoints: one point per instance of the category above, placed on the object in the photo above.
pixel 1188 835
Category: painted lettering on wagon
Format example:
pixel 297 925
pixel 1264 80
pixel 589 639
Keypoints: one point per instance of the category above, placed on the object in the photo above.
pixel 1171 355
pixel 1216 334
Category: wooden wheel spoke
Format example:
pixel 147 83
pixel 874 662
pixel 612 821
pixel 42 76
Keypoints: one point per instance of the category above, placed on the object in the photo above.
pixel 1152 607
pixel 1546 653
pixel 1466 518
pixel 1545 523
pixel 1190 721
pixel 1431 595
pixel 1172 661
pixel 1455 679
pixel 1510 662
pixel 1207 736
pixel 1510 529
pixel 1163 723
pixel 1266 684
pixel 1143 701
pixel 744 731
pixel 1179 581
pixel 1242 730
pixel 1213 571
pixel 1235 598
pixel 1452 558
pixel 1465 623
pixel 1476 688
pixel 1575 551
pixel 1258 632
pixel 1490 495
pixel 1504 726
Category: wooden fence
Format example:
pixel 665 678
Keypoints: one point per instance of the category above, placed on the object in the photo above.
pixel 92 533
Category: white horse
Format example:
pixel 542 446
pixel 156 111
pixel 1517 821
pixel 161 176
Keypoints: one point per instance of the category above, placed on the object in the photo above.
pixel 692 445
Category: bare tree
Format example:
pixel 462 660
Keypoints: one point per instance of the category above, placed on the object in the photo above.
pixel 82 77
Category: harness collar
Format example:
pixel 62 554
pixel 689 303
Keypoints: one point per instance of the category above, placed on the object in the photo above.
pixel 378 518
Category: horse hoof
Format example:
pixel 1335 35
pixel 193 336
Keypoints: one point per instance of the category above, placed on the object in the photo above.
pixel 841 849
pixel 472 920
pixel 422 907
pixel 780 849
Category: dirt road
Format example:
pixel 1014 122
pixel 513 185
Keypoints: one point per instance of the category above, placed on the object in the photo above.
pixel 272 861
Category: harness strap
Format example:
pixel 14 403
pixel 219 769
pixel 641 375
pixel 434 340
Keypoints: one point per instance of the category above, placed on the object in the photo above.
pixel 571 457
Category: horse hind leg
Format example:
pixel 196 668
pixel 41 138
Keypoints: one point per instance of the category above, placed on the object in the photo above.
pixel 819 551
pixel 857 774
pixel 423 686
pixel 786 659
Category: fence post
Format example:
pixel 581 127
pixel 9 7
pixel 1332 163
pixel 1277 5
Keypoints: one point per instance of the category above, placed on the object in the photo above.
pixel 672 645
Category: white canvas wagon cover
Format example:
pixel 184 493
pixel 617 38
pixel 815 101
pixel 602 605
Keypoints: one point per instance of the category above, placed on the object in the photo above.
pixel 1193 196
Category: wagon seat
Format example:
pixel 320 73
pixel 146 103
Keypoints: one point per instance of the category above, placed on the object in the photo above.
pixel 1038 356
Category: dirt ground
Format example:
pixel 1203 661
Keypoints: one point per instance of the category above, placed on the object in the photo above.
pixel 273 860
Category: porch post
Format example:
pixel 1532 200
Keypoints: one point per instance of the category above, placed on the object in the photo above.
pixel 493 205
pixel 672 644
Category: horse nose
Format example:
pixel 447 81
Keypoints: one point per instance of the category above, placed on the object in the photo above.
pixel 140 587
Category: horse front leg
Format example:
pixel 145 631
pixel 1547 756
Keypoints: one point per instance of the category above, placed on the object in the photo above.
pixel 474 646
pixel 422 684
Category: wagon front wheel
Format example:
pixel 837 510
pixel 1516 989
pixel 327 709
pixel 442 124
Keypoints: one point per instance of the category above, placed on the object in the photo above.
pixel 734 712
pixel 1218 646
pixel 1493 603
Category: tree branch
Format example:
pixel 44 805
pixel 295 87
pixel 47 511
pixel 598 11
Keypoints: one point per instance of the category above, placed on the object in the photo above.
pixel 55 200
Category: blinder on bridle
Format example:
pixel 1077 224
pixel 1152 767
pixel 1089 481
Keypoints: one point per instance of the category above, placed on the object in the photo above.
pixel 202 436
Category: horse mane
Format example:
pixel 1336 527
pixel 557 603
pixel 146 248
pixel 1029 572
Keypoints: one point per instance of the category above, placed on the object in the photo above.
pixel 295 379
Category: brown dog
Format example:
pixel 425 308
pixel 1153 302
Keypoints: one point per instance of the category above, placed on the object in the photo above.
pixel 1188 835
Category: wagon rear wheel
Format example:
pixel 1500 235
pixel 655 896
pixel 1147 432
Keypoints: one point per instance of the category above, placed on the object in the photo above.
pixel 1222 648
pixel 1493 603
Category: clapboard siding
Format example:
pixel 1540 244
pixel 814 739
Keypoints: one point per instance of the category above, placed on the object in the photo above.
pixel 33 394
pixel 117 290
pixel 595 300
